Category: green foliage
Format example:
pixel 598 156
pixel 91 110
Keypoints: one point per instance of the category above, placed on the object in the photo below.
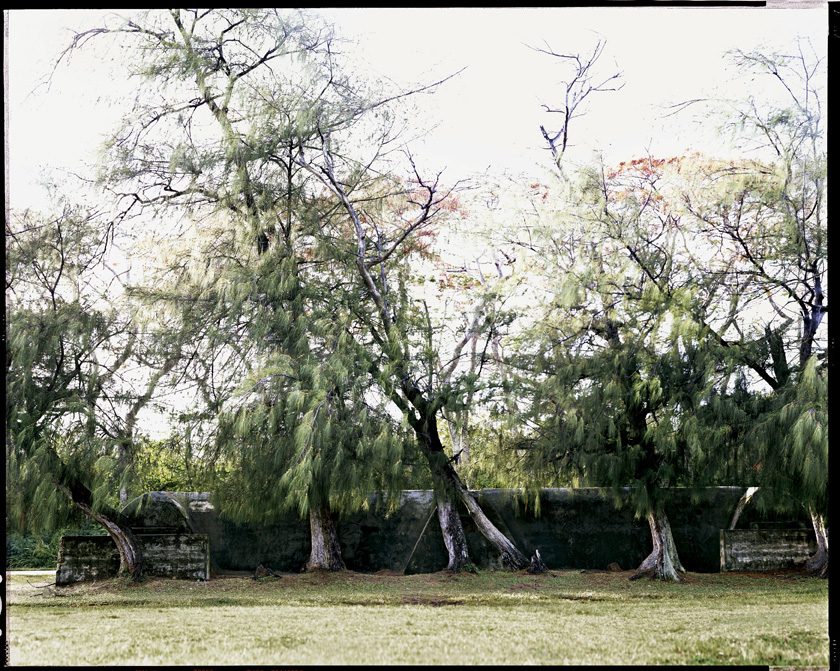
pixel 32 552
pixel 263 284
pixel 63 349
pixel 789 444
pixel 36 550
pixel 168 465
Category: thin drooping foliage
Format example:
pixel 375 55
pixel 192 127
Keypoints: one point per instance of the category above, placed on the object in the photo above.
pixel 66 351
pixel 693 247
pixel 296 304
pixel 283 233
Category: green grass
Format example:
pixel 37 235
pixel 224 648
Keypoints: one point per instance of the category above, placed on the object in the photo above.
pixel 491 618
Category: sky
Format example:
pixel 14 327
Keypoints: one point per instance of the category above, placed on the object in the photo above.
pixel 487 116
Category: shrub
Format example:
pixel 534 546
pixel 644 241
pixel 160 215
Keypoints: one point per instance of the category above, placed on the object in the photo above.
pixel 40 550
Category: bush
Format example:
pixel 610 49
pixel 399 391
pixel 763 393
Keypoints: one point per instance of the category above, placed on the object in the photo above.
pixel 40 550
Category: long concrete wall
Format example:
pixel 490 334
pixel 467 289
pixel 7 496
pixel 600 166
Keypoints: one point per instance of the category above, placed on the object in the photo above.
pixel 576 528
pixel 183 535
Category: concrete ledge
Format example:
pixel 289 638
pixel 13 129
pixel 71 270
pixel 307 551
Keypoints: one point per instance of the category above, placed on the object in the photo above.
pixel 183 556
pixel 765 549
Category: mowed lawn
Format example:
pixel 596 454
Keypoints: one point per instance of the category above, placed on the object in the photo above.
pixel 565 617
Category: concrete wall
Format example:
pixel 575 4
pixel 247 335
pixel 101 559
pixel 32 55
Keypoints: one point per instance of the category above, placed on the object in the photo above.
pixel 765 549
pixel 576 528
pixel 184 556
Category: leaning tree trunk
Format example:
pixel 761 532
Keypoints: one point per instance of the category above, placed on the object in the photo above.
pixel 742 503
pixel 131 556
pixel 663 562
pixel 818 563
pixel 447 478
pixel 512 558
pixel 326 549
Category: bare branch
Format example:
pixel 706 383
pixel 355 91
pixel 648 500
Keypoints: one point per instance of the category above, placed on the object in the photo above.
pixel 577 90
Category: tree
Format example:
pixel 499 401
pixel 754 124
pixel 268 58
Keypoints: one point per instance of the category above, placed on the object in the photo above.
pixel 711 250
pixel 387 320
pixel 580 86
pixel 259 306
pixel 65 347
pixel 619 374
pixel 472 280
pixel 303 303
pixel 767 219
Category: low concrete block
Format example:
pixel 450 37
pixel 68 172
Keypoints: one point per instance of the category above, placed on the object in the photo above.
pixel 182 556
pixel 86 558
pixel 765 549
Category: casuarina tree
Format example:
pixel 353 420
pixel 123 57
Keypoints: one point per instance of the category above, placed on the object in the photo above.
pixel 276 161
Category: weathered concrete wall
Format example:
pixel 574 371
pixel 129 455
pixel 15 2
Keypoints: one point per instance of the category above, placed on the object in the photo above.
pixel 765 549
pixel 577 528
pixel 284 545
pixel 86 558
pixel 184 556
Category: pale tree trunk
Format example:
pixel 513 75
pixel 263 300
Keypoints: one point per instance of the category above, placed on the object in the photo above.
pixel 512 558
pixel 326 550
pixel 458 424
pixel 452 530
pixel 449 482
pixel 742 503
pixel 131 557
pixel 458 421
pixel 663 562
pixel 123 461
pixel 463 460
pixel 818 563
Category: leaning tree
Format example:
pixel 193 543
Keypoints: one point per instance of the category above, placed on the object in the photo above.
pixel 69 406
pixel 287 265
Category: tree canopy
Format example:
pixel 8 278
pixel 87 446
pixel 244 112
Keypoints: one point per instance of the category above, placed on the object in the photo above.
pixel 321 305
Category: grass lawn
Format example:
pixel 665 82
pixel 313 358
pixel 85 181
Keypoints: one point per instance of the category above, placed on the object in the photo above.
pixel 565 617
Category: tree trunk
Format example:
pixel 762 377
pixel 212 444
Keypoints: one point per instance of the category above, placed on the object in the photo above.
pixel 818 563
pixel 326 550
pixel 448 479
pixel 131 556
pixel 123 458
pixel 458 424
pixel 454 537
pixel 812 317
pixel 663 562
pixel 511 556
pixel 742 503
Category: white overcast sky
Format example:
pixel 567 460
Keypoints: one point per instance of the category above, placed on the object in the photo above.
pixel 488 116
